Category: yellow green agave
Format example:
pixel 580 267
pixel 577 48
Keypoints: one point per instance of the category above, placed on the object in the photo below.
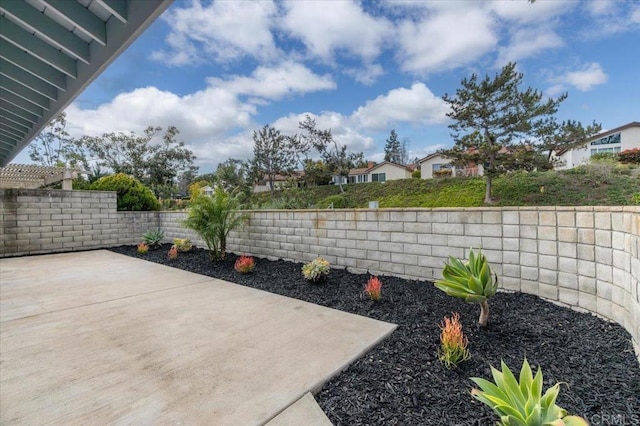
pixel 471 281
pixel 522 403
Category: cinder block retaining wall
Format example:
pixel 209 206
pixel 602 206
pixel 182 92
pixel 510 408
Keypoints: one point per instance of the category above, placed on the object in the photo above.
pixel 584 257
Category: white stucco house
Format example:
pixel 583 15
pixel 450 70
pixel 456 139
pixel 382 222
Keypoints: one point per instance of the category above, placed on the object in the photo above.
pixel 376 173
pixel 614 140
pixel 434 164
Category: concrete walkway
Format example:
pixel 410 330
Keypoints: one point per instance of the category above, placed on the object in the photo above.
pixel 101 338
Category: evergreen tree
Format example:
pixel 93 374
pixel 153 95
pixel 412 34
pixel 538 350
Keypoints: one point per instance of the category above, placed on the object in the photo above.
pixel 393 148
pixel 503 128
pixel 273 154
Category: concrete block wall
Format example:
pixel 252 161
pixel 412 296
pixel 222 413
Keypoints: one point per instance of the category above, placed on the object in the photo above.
pixel 37 221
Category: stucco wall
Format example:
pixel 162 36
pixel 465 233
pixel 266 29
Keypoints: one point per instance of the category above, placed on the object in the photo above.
pixel 584 257
pixel 391 172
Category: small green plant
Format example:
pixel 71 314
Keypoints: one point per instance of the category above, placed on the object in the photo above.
pixel 635 198
pixel 373 289
pixel 173 253
pixel 453 343
pixel 213 217
pixel 471 281
pixel 183 244
pixel 244 264
pixel 332 202
pixel 522 403
pixel 143 248
pixel 153 238
pixel 316 270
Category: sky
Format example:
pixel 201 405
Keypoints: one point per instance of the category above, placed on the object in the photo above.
pixel 219 70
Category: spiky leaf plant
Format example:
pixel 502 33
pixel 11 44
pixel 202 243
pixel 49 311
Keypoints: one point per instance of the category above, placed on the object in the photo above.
pixel 213 217
pixel 522 403
pixel 471 281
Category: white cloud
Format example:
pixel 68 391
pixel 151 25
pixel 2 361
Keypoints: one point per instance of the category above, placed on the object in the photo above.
pixel 223 31
pixel 527 42
pixel 585 79
pixel 416 105
pixel 366 75
pixel 446 39
pixel 207 113
pixel 634 15
pixel 327 27
pixel 342 128
pixel 526 12
pixel 276 82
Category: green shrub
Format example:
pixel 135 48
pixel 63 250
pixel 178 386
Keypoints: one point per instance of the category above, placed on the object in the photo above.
pixel 332 201
pixel 132 194
pixel 416 174
pixel 213 217
pixel 603 156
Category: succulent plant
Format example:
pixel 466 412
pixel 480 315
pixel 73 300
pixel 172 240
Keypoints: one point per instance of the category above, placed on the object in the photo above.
pixel 173 253
pixel 471 281
pixel 373 289
pixel 244 264
pixel 453 343
pixel 143 248
pixel 153 238
pixel 183 244
pixel 522 403
pixel 316 270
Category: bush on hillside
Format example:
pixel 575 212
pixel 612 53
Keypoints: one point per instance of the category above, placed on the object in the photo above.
pixel 629 156
pixel 332 202
pixel 132 194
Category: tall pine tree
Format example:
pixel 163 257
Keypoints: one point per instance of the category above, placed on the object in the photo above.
pixel 393 148
pixel 501 127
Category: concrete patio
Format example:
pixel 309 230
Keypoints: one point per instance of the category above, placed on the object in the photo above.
pixel 100 338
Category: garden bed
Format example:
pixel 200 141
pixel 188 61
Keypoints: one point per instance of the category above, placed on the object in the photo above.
pixel 401 381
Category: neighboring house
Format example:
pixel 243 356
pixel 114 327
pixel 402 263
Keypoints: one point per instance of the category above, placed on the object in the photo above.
pixel 376 173
pixel 279 181
pixel 614 140
pixel 434 164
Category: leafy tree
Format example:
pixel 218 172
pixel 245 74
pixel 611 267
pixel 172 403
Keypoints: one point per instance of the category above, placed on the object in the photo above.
pixel 503 128
pixel 53 147
pixel 333 154
pixel 273 153
pixel 316 173
pixel 234 175
pixel 393 148
pixel 213 217
pixel 131 193
pixel 157 164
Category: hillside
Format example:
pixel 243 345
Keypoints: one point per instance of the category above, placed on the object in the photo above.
pixel 599 184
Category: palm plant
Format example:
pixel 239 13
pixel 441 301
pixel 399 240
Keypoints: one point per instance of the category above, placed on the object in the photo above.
pixel 213 217
pixel 471 281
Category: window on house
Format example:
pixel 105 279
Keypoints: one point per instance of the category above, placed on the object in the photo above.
pixel 378 177
pixel 612 150
pixel 438 167
pixel 362 178
pixel 351 179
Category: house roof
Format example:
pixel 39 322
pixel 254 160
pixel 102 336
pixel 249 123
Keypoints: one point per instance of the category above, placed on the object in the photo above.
pixel 429 157
pixel 51 50
pixel 603 134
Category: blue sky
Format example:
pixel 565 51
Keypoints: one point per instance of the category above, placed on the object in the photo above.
pixel 220 70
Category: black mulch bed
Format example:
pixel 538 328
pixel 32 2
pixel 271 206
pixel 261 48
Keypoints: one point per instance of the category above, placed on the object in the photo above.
pixel 401 381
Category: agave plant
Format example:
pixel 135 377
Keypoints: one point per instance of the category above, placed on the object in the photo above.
pixel 471 281
pixel 213 217
pixel 153 239
pixel 522 403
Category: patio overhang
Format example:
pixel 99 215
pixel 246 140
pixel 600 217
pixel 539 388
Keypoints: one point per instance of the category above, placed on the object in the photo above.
pixel 51 50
